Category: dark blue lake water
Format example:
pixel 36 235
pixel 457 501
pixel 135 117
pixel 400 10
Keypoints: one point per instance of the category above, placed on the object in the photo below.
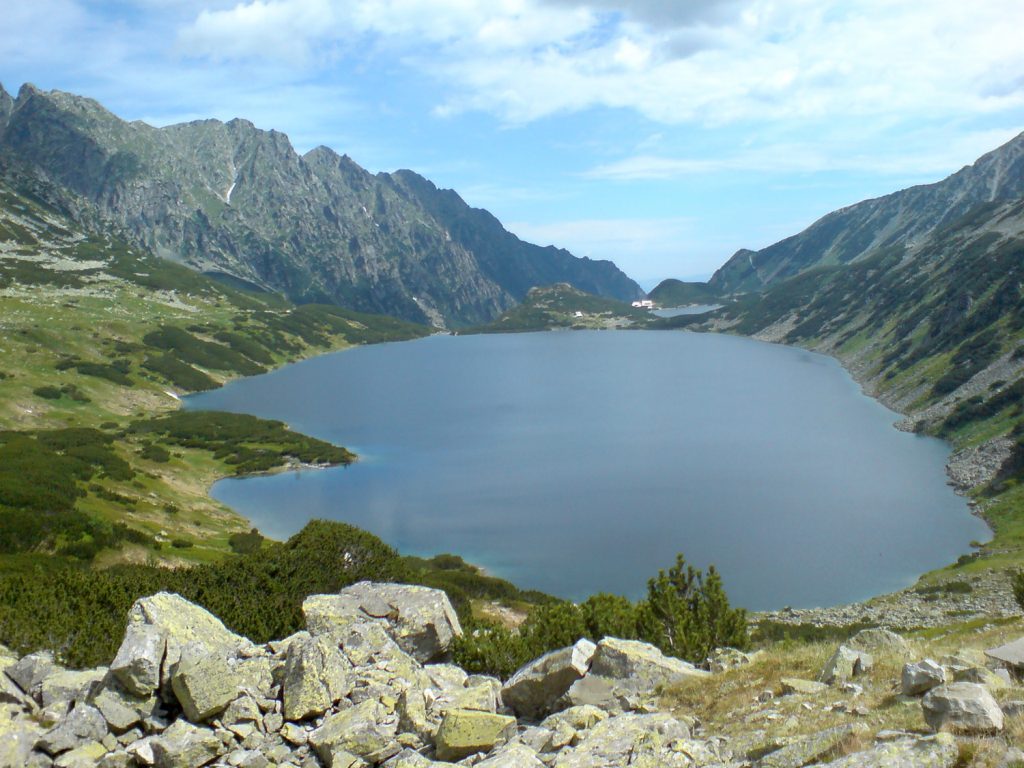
pixel 582 462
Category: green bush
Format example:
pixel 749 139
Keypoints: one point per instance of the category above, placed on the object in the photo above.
pixel 48 392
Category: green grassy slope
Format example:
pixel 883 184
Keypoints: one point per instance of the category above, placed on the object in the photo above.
pixel 97 342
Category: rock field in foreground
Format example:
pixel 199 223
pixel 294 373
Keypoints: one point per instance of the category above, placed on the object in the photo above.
pixel 368 684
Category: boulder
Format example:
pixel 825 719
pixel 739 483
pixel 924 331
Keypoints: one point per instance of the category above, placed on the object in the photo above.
pixel 963 708
pixel 792 685
pixel 466 732
pixel 69 685
pixel 360 731
pixel 623 739
pixel 30 671
pixel 184 745
pixel 878 640
pixel 314 678
pixel 535 688
pixel 512 756
pixel 813 748
pixel 981 675
pixel 1011 654
pixel 420 619
pixel 939 751
pixel 82 724
pixel 17 737
pixel 85 756
pixel 179 623
pixel 203 682
pixel 122 710
pixel 845 664
pixel 920 677
pixel 138 660
pixel 624 672
pixel 578 718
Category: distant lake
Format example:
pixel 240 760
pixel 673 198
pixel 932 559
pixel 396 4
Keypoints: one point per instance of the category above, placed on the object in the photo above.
pixel 578 462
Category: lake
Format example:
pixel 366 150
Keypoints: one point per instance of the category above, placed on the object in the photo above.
pixel 579 462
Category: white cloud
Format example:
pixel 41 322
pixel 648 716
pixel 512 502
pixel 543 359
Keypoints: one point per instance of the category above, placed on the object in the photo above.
pixel 932 154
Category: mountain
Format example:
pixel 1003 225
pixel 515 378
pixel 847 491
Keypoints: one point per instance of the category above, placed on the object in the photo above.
pixel 231 199
pixel 562 307
pixel 906 218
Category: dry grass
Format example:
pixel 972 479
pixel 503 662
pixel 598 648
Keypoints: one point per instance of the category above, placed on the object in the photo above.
pixel 728 704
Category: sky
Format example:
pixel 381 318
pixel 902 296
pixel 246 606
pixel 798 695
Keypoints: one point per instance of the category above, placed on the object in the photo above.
pixel 662 135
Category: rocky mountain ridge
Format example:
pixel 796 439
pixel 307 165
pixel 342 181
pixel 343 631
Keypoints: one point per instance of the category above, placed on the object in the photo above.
pixel 367 684
pixel 903 218
pixel 230 198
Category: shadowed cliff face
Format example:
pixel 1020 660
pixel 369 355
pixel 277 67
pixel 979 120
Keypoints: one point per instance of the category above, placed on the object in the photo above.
pixel 230 198
pixel 903 218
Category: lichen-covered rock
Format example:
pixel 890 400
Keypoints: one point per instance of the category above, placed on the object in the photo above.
pixel 920 677
pixel 512 756
pixel 579 718
pixel 535 688
pixel 939 751
pixel 618 740
pixel 981 675
pixel 314 678
pixel 84 756
pixel 70 685
pixel 845 664
pixel 120 709
pixel 204 682
pixel 420 619
pixel 180 623
pixel 466 732
pixel 811 748
pixel 361 730
pixel 138 661
pixel 83 723
pixel 184 745
pixel 963 708
pixel 17 737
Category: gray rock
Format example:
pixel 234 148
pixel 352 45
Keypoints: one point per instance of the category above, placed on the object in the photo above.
pixel 535 688
pixel 84 756
pixel 724 659
pixel 963 708
pixel 314 678
pixel 82 724
pixel 16 742
pixel 70 685
pixel 30 671
pixel 629 739
pixel 1013 708
pixel 358 731
pixel 184 745
pixel 1011 653
pixel 421 620
pixel 920 677
pixel 981 675
pixel 939 751
pixel 181 623
pixel 120 709
pixel 811 748
pixel 203 682
pixel 138 660
pixel 845 663
pixel 879 640
pixel 512 756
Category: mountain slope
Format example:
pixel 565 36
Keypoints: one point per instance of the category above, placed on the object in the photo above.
pixel 902 218
pixel 230 198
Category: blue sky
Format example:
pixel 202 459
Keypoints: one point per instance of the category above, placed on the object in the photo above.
pixel 662 135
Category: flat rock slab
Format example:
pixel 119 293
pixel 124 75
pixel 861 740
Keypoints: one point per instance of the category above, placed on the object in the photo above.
pixel 466 732
pixel 792 685
pixel 811 748
pixel 939 751
pixel 1011 653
